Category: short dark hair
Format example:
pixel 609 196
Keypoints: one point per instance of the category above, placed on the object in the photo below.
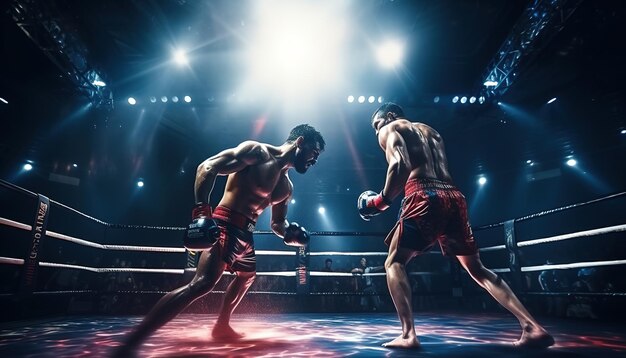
pixel 328 260
pixel 310 134
pixel 386 108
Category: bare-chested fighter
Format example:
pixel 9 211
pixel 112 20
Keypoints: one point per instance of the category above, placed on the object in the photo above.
pixel 433 210
pixel 257 178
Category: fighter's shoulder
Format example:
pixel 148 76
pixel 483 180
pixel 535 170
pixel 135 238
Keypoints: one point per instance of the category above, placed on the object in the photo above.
pixel 253 149
pixel 399 125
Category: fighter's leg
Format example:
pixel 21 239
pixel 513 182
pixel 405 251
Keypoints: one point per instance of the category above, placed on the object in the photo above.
pixel 210 269
pixel 533 334
pixel 234 293
pixel 400 291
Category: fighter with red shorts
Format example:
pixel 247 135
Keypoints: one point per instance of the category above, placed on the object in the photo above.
pixel 432 210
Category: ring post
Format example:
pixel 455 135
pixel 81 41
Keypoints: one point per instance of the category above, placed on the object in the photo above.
pixel 302 270
pixel 28 280
pixel 514 257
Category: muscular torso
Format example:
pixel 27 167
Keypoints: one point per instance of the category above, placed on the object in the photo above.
pixel 258 186
pixel 425 148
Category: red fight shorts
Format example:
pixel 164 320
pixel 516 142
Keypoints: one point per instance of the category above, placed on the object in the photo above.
pixel 433 211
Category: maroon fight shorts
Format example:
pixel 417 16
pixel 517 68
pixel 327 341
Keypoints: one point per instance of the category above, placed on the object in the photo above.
pixel 433 210
pixel 237 244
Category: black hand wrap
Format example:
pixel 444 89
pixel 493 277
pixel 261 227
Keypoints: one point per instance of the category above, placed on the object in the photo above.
pixel 296 235
pixel 203 232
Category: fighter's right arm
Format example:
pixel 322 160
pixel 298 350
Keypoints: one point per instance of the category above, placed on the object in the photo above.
pixel 226 162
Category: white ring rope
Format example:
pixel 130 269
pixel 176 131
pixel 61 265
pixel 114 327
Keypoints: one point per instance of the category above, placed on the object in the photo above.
pixel 573 265
pixel 604 230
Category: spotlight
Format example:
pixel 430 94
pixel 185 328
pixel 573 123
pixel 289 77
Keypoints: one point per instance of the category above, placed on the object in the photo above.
pixel 75 165
pixel 132 101
pixel 380 99
pixel 293 201
pixel 623 131
pixel 164 99
pixel 552 100
pixel 463 99
pixel 482 181
pixel 371 99
pixel 140 183
pixel 571 162
pixel 361 99
pixel 472 99
pixel 530 162
pixel 175 99
pixel 99 83
pixel 350 99
pixel 180 57
pixel 499 103
pixel 152 99
pixel 27 166
pixel 455 99
pixel 481 99
pixel 436 99
pixel 4 100
pixel 490 83
pixel 390 54
pixel 321 210
pixel 187 99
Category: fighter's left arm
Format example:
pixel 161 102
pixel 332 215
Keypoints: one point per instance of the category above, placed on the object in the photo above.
pixel 399 163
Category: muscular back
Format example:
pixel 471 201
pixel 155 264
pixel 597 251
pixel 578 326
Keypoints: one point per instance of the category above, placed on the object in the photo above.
pixel 425 147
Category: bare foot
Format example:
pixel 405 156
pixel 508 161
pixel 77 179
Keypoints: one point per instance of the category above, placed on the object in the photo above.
pixel 533 337
pixel 403 342
pixel 225 332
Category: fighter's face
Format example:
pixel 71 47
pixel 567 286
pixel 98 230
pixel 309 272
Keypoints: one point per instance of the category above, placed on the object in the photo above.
pixel 380 121
pixel 363 262
pixel 306 156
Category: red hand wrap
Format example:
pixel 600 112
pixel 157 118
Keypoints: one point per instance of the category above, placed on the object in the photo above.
pixel 201 209
pixel 380 202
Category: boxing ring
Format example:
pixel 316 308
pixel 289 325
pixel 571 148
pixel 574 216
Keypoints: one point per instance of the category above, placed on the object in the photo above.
pixel 38 321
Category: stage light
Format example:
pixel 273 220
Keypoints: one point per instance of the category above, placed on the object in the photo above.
pixel 481 99
pixel 99 83
pixel 436 99
pixel 361 99
pixel 187 99
pixel 499 103
pixel 380 99
pixel 571 162
pixel 132 101
pixel 164 99
pixel 140 183
pixel 350 99
pixel 463 99
pixel 75 165
pixel 27 167
pixel 482 181
pixel 455 99
pixel 175 99
pixel 530 162
pixel 293 201
pixel 371 99
pixel 321 210
pixel 472 99
pixel 390 54
pixel 623 131
pixel 153 99
pixel 552 100
pixel 297 47
pixel 490 83
pixel 3 100
pixel 180 57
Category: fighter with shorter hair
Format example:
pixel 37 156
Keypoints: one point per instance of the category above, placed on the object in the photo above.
pixel 257 178
pixel 433 210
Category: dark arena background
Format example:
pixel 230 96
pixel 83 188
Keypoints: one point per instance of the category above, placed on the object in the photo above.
pixel 108 107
